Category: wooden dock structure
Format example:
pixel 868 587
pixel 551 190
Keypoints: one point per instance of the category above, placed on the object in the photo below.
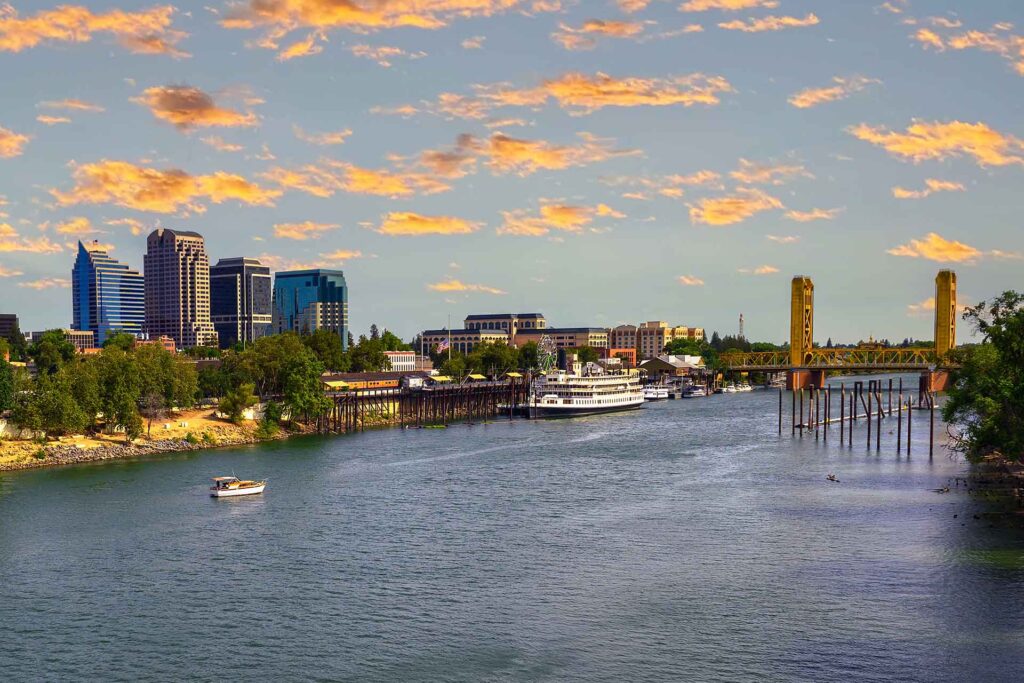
pixel 440 405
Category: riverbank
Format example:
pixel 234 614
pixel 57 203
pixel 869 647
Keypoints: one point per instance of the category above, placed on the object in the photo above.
pixel 190 431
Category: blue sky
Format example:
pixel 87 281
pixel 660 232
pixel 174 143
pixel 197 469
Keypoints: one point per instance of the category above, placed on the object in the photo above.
pixel 624 170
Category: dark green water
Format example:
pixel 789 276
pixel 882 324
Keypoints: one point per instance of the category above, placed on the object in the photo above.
pixel 686 541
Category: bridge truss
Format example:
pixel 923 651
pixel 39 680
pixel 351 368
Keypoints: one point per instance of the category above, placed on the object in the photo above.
pixel 833 359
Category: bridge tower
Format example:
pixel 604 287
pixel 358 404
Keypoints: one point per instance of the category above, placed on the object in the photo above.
pixel 801 321
pixel 945 312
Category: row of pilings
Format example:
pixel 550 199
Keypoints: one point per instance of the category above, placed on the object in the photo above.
pixel 869 403
pixel 424 407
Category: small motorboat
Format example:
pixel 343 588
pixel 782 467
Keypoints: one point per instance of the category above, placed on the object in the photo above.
pixel 654 392
pixel 832 477
pixel 233 486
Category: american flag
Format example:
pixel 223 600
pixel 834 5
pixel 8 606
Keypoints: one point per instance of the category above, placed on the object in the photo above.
pixel 443 346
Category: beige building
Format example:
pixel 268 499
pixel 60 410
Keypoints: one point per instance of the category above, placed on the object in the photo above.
pixel 177 274
pixel 80 339
pixel 566 337
pixel 510 323
pixel 462 341
pixel 623 337
pixel 654 335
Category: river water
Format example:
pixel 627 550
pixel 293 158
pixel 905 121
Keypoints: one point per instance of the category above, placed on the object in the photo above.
pixel 686 541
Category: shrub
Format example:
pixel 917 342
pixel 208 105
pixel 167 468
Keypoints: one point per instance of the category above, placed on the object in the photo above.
pixel 191 438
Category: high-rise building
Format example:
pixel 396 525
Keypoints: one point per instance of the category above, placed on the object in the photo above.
pixel 177 272
pixel 309 300
pixel 241 296
pixel 107 296
pixel 654 335
pixel 8 323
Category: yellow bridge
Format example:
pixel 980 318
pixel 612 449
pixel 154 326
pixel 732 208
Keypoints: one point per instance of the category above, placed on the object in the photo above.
pixel 803 357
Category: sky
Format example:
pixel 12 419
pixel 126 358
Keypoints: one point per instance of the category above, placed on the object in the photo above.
pixel 598 161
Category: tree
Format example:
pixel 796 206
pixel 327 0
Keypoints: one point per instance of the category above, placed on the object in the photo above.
pixel 828 344
pixel 237 401
pixel 326 345
pixel 51 351
pixel 7 390
pixel 368 356
pixel 492 358
pixel 120 340
pixel 529 356
pixel 392 342
pixel 350 339
pixel 986 399
pixel 303 390
pixel 587 354
pixel 120 390
pixel 716 341
pixel 454 366
pixel 50 407
pixel 18 345
pixel 374 332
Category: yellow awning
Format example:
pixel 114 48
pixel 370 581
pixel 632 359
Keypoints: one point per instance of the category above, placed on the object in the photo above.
pixel 512 374
pixel 474 376
pixel 336 384
pixel 441 378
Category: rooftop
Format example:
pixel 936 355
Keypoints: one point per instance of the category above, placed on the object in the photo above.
pixel 506 316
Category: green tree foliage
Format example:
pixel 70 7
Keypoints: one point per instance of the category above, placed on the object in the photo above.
pixel 327 347
pixel 200 352
pixel 5 348
pixel 7 390
pixel 237 401
pixel 368 356
pixel 392 342
pixel 493 359
pixel 50 407
pixel 587 354
pixel 120 340
pixel 986 399
pixel 51 351
pixel 529 356
pixel 303 389
pixel 455 367
pixel 17 344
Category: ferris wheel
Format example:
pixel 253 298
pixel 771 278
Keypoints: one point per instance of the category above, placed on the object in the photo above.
pixel 547 353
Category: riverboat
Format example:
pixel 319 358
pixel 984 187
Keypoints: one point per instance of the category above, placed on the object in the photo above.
pixel 564 394
pixel 233 486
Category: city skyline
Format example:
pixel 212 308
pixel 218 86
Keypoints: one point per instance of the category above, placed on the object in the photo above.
pixel 603 163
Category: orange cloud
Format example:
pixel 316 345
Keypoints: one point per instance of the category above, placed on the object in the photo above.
pixel 307 47
pixel 331 176
pixel 303 231
pixel 813 215
pixel 760 270
pixel 936 248
pixel 11 243
pixel 583 94
pixel 745 203
pixel 220 144
pixel 343 255
pixel 412 224
pixel 136 227
pixel 52 120
pixel 690 281
pixel 71 105
pixel 631 6
pixel 187 107
pixel 554 216
pixel 753 173
pixel 931 186
pixel 584 37
pixel 726 5
pixel 998 41
pixel 322 139
pixel 473 43
pixel 46 283
pixel 160 191
pixel 928 141
pixel 922 308
pixel 11 144
pixel 280 17
pixel 7 272
pixel 769 23
pixel 384 54
pixel 843 88
pixel 453 285
pixel 145 31
pixel 79 225
pixel 666 186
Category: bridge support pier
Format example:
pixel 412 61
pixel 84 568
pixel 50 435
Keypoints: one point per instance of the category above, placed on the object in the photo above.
pixel 802 379
pixel 933 381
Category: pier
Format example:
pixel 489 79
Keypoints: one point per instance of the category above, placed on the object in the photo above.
pixel 872 404
pixel 424 407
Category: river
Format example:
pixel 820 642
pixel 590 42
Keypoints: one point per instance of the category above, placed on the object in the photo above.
pixel 685 541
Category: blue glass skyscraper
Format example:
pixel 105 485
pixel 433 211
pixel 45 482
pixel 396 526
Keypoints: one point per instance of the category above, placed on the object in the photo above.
pixel 107 296
pixel 308 300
